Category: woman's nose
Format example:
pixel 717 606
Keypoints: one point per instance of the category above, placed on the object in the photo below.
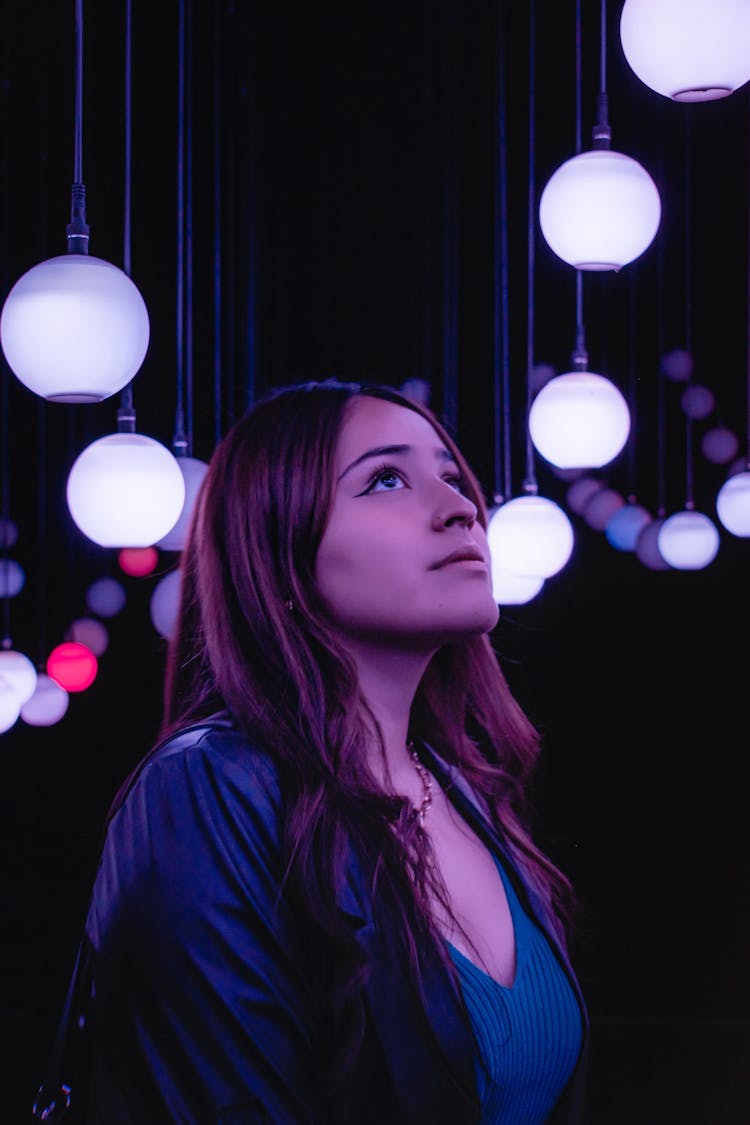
pixel 453 507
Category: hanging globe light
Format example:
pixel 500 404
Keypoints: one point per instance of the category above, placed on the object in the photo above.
pixel 688 50
pixel 8 534
pixel 72 665
pixel 12 578
pixel 581 491
pixel 600 210
pixel 623 529
pixel 733 504
pixel 47 705
pixel 719 445
pixel 164 604
pixel 688 540
pixel 514 589
pixel 530 536
pixel 10 705
pixel 90 632
pixel 601 507
pixel 105 597
pixel 647 547
pixel 579 420
pixel 74 329
pixel 138 562
pixel 125 490
pixel 193 471
pixel 17 670
pixel 697 401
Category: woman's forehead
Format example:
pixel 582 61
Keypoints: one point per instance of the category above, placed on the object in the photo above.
pixel 370 422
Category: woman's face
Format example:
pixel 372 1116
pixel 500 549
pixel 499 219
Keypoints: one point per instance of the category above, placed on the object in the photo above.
pixel 402 562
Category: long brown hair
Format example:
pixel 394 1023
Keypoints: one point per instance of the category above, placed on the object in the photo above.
pixel 253 638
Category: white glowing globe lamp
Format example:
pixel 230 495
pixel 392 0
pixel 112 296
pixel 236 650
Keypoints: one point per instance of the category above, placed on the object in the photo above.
pixel 17 670
pixel 688 540
pixel 647 548
pixel 125 490
pixel 193 472
pixel 106 597
pixel 600 210
pixel 733 504
pixel 47 705
pixel 165 603
pixel 623 529
pixel 514 589
pixel 10 705
pixel 688 50
pixel 74 329
pixel 530 536
pixel 579 420
pixel 12 578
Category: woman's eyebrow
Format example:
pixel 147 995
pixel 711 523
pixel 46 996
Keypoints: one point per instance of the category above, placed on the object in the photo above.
pixel 441 454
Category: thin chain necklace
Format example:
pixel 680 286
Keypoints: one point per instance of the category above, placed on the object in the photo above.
pixel 426 779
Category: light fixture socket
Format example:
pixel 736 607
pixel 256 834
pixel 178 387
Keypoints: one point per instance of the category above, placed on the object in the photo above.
pixel 78 229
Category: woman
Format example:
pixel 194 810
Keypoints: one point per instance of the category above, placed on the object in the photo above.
pixel 318 899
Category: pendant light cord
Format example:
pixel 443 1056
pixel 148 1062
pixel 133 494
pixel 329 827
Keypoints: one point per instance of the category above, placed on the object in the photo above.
pixel 689 500
pixel 78 229
pixel 179 440
pixel 530 482
pixel 602 134
pixel 217 136
pixel 501 367
pixel 747 388
pixel 126 412
pixel 450 227
pixel 4 369
pixel 580 357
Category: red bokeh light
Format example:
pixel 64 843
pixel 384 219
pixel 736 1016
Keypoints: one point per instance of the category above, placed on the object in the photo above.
pixel 72 665
pixel 138 561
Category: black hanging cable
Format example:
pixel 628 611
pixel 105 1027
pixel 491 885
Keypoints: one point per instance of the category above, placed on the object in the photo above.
pixel 78 229
pixel 661 495
pixel 501 366
pixel 450 226
pixel 179 441
pixel 530 483
pixel 126 411
pixel 217 138
pixel 188 262
pixel 229 69
pixel 4 368
pixel 632 382
pixel 689 500
pixel 580 357
pixel 747 388
pixel 602 134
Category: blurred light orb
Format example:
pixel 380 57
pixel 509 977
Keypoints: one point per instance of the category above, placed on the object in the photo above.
pixel 688 50
pixel 720 445
pixel 106 597
pixel 623 529
pixel 733 504
pixel 90 632
pixel 10 705
pixel 125 490
pixel 416 389
pixel 599 210
pixel 514 589
pixel 601 507
pixel 72 665
pixel 530 536
pixel 193 472
pixel 17 670
pixel 74 329
pixel 8 534
pixel 688 540
pixel 697 401
pixel 579 420
pixel 647 547
pixel 579 493
pixel 47 705
pixel 677 365
pixel 739 465
pixel 165 603
pixel 12 578
pixel 138 561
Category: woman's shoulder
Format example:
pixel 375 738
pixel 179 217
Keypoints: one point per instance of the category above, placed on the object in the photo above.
pixel 211 764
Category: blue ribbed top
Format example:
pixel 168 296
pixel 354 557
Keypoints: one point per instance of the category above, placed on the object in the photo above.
pixel 528 1035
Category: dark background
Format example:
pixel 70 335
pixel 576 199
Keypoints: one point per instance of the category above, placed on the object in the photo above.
pixel 348 211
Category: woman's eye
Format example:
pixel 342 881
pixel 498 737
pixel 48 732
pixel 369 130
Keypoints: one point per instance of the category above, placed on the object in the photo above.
pixel 455 482
pixel 386 480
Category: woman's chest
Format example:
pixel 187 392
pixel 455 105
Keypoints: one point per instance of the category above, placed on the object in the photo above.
pixel 476 894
